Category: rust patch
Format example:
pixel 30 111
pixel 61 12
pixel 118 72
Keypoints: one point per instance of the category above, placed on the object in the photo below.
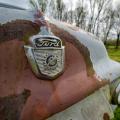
pixel 67 37
pixel 106 116
pixel 18 29
pixel 11 106
pixel 47 97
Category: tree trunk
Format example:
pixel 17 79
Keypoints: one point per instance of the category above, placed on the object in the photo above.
pixel 117 42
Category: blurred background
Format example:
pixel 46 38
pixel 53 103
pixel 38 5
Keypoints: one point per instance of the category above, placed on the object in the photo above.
pixel 99 17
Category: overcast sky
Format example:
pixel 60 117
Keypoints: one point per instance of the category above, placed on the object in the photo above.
pixel 24 3
pixel 115 2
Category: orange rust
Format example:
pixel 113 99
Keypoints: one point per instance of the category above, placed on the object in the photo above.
pixel 106 116
pixel 11 106
pixel 18 29
pixel 67 37
pixel 47 97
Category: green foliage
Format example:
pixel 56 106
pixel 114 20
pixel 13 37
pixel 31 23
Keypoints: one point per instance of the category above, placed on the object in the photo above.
pixel 117 113
pixel 112 42
pixel 114 53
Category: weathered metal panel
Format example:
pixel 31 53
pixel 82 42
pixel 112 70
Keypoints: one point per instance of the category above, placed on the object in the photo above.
pixel 47 97
pixel 104 67
pixel 94 107
pixel 87 65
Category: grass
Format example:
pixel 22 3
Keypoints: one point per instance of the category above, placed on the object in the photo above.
pixel 117 114
pixel 114 53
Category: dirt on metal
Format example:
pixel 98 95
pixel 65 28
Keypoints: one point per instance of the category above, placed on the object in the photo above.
pixel 47 97
pixel 11 106
pixel 106 116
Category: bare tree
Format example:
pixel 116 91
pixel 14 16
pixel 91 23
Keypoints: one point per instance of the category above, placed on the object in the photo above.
pixel 117 25
pixel 70 12
pixel 100 8
pixel 65 15
pixel 92 5
pixel 60 6
pixel 43 4
pixel 96 16
pixel 80 14
pixel 51 10
pixel 108 23
pixel 97 8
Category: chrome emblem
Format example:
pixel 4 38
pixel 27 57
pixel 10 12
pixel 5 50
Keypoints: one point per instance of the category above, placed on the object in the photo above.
pixel 46 55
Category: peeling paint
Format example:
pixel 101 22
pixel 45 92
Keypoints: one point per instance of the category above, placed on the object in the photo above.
pixel 106 116
pixel 67 37
pixel 18 29
pixel 11 106
pixel 103 66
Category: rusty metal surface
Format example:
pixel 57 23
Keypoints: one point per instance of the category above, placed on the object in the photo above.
pixel 11 106
pixel 47 97
pixel 92 107
pixel 106 116
pixel 98 53
pixel 82 49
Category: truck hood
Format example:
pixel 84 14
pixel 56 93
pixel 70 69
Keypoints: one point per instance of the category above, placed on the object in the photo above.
pixel 87 68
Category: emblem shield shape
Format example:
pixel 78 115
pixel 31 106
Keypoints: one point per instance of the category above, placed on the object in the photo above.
pixel 46 54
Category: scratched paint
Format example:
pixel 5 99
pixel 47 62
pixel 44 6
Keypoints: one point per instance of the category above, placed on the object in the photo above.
pixel 50 97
